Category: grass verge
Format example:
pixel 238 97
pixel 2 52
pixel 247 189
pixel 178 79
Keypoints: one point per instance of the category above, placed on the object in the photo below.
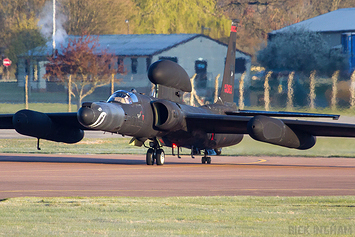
pixel 178 216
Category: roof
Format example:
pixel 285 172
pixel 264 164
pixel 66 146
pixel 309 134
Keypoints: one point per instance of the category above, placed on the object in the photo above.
pixel 341 20
pixel 133 45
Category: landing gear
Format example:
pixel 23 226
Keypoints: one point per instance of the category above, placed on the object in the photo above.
pixel 155 153
pixel 160 157
pixel 150 157
pixel 206 158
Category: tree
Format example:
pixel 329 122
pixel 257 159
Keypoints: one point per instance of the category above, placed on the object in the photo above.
pixel 302 51
pixel 180 16
pixel 88 67
pixel 258 18
pixel 97 17
pixel 19 32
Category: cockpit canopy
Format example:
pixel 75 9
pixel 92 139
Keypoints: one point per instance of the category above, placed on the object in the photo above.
pixel 123 97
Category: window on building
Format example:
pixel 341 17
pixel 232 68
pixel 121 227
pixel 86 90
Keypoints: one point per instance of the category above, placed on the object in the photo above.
pixel 134 65
pixel 201 73
pixel 120 64
pixel 240 65
pixel 174 59
pixel 200 66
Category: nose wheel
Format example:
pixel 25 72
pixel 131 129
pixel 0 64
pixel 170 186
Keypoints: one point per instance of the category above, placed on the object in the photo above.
pixel 150 157
pixel 155 154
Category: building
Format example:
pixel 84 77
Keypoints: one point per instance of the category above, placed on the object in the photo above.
pixel 196 53
pixel 337 27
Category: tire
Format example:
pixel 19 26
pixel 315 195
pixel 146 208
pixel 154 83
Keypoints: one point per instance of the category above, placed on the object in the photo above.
pixel 160 157
pixel 150 157
pixel 203 160
pixel 208 160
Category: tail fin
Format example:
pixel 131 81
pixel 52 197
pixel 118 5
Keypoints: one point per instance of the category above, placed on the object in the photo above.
pixel 227 89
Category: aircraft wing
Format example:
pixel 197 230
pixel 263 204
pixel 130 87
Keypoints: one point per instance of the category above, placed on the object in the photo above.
pixel 233 124
pixel 58 127
pixel 6 121
pixel 65 119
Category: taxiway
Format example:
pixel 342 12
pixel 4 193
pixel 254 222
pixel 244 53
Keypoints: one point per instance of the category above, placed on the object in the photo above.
pixel 128 175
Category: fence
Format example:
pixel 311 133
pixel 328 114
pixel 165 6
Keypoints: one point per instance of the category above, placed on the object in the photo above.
pixel 292 90
pixel 270 90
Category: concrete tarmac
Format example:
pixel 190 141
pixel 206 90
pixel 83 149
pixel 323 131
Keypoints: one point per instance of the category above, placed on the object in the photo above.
pixel 127 175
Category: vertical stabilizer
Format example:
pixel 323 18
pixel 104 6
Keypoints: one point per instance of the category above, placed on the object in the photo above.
pixel 227 89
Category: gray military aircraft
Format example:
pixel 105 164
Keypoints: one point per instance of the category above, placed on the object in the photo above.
pixel 164 120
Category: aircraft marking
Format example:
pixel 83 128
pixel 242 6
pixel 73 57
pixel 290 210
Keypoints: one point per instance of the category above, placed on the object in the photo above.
pixel 228 89
pixel 234 29
pixel 99 120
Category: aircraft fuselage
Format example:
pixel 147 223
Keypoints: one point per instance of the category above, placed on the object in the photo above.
pixel 145 117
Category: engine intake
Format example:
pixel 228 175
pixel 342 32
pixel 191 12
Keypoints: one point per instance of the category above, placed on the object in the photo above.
pixel 39 125
pixel 274 131
pixel 167 115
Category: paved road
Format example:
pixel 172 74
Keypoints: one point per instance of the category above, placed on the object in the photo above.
pixel 128 175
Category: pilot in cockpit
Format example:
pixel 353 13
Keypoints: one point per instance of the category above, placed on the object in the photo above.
pixel 123 97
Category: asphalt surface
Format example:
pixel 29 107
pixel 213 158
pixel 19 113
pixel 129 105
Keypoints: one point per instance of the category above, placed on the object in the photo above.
pixel 128 175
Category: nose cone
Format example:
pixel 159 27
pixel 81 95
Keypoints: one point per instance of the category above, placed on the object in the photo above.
pixel 86 116
pixel 101 116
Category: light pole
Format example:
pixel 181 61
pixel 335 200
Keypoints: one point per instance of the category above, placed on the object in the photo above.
pixel 127 22
pixel 53 26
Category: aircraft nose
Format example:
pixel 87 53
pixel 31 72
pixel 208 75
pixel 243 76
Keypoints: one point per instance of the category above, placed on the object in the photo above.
pixel 101 116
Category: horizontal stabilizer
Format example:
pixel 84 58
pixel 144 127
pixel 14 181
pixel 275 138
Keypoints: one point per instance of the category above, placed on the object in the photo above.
pixel 281 114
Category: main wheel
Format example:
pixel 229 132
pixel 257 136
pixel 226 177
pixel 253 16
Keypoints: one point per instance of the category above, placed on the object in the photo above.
pixel 150 157
pixel 204 160
pixel 208 160
pixel 160 157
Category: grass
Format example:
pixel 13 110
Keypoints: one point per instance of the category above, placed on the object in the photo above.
pixel 41 107
pixel 178 216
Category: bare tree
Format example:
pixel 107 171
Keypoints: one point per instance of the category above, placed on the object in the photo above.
pixel 89 67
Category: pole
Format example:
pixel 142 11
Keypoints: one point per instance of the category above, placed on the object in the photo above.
pixel 334 90
pixel 312 93
pixel 69 94
pixel 267 91
pixel 26 91
pixel 216 88
pixel 54 29
pixel 192 89
pixel 112 83
pixel 290 91
pixel 241 91
pixel 352 90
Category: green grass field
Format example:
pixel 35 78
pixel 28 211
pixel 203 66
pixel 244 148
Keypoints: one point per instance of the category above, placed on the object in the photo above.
pixel 178 216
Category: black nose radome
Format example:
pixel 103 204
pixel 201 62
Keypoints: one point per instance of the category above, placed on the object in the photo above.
pixel 86 116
